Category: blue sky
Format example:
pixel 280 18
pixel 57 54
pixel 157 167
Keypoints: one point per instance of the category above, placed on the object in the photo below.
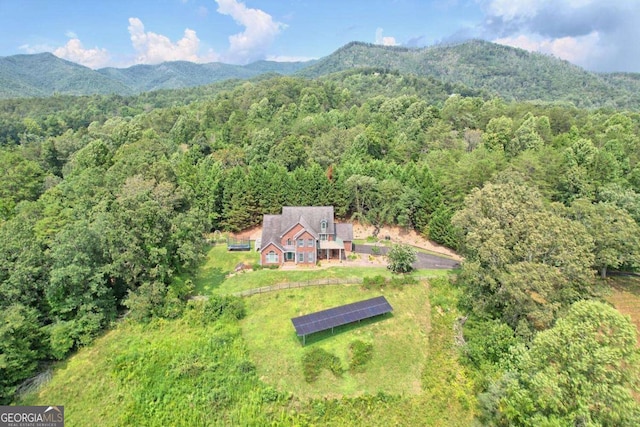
pixel 600 35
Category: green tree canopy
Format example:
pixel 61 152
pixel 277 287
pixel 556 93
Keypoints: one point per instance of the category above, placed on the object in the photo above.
pixel 581 372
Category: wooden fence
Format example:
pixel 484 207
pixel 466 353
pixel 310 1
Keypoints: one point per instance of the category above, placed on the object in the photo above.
pixel 304 284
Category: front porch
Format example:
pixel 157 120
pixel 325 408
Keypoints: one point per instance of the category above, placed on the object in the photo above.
pixel 331 249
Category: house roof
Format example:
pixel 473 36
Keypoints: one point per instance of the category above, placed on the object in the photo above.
pixel 271 230
pixel 310 217
pixel 344 232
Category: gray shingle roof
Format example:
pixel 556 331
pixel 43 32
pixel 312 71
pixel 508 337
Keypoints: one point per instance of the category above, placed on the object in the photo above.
pixel 275 226
pixel 312 215
pixel 271 230
pixel 344 232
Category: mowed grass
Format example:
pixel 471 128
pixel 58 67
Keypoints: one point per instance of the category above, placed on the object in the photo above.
pixel 213 275
pixel 625 296
pixel 400 340
pixel 220 262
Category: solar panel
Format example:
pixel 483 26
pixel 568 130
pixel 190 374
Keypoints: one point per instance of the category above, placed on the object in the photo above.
pixel 337 316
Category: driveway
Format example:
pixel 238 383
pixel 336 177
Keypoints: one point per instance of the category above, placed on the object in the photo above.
pixel 424 260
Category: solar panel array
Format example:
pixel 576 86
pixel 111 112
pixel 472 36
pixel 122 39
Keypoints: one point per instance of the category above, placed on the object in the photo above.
pixel 337 316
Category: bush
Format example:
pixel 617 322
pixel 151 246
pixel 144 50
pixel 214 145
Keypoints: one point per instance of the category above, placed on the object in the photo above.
pixel 218 306
pixel 317 359
pixel 375 282
pixel 379 282
pixel 400 281
pixel 208 311
pixel 401 258
pixel 361 354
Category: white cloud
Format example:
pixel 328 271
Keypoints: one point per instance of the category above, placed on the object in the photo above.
pixel 36 48
pixel 71 34
pixel 578 50
pixel 385 41
pixel 286 58
pixel 260 31
pixel 597 35
pixel 152 48
pixel 75 52
pixel 510 9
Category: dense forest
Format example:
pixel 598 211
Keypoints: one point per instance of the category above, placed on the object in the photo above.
pixel 104 200
pixel 499 71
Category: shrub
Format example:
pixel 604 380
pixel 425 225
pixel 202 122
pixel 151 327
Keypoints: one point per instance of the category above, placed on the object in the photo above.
pixel 317 359
pixel 361 354
pixel 208 311
pixel 375 282
pixel 401 258
pixel 400 281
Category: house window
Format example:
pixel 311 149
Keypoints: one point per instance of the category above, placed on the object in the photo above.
pixel 323 226
pixel 300 243
pixel 272 257
pixel 310 243
pixel 310 257
pixel 289 242
pixel 323 237
pixel 300 256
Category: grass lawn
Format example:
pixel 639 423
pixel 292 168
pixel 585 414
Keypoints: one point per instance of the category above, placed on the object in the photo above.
pixel 399 340
pixel 218 263
pixel 212 275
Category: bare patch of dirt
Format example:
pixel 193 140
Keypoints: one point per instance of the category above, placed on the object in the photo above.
pixel 402 235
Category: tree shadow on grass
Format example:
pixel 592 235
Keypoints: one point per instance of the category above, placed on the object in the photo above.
pixel 629 284
pixel 338 330
pixel 208 280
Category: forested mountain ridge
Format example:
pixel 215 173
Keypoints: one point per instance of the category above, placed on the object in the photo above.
pixel 510 73
pixel 180 74
pixel 44 74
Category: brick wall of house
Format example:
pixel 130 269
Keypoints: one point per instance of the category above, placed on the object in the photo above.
pixel 289 235
pixel 306 254
pixel 265 251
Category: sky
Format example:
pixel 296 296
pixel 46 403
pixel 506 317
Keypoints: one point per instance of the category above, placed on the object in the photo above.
pixel 599 35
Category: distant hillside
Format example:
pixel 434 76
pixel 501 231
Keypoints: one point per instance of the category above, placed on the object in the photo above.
pixel 483 67
pixel 180 74
pixel 44 74
pixel 511 73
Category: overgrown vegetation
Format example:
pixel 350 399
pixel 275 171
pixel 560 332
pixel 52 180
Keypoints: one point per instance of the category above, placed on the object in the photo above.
pixel 317 359
pixel 379 282
pixel 361 354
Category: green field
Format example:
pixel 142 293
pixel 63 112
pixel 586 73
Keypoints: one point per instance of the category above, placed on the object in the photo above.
pixel 398 339
pixel 249 372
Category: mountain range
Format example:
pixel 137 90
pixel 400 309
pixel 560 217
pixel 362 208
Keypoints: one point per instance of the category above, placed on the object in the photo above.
pixel 511 73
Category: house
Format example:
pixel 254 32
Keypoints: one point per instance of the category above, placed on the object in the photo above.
pixel 303 235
